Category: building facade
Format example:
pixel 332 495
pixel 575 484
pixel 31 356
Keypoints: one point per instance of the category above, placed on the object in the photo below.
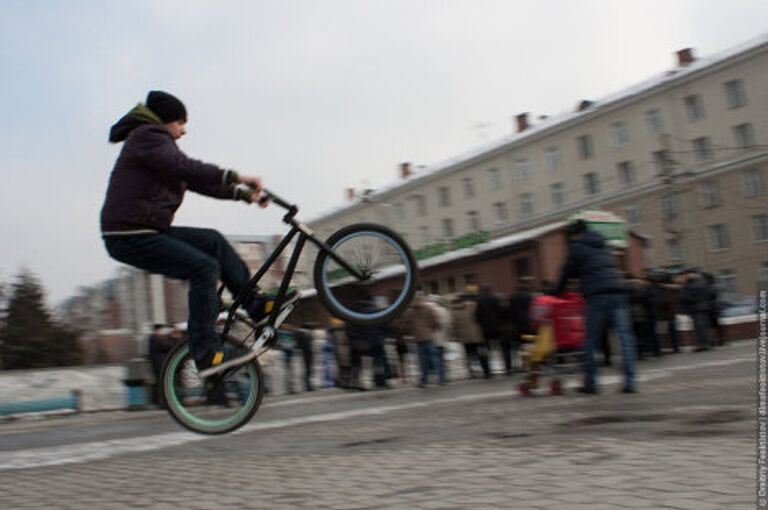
pixel 683 157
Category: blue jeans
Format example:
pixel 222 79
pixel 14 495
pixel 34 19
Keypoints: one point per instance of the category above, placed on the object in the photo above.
pixel 200 256
pixel 609 311
pixel 426 353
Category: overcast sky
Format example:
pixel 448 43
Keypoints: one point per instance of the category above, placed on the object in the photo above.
pixel 313 95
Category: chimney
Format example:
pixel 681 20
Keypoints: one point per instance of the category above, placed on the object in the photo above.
pixel 405 170
pixel 350 193
pixel 584 104
pixel 522 122
pixel 685 57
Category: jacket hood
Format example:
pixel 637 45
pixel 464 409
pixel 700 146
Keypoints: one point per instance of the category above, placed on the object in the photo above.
pixel 592 238
pixel 138 116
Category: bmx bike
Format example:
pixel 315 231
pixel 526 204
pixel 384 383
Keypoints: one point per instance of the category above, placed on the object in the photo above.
pixel 364 274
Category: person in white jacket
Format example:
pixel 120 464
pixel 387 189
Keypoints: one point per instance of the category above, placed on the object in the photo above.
pixel 441 336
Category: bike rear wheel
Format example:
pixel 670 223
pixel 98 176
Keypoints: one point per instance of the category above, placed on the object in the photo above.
pixel 219 404
pixel 386 261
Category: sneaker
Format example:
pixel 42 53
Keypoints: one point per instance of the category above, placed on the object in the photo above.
pixel 628 389
pixel 215 359
pixel 262 304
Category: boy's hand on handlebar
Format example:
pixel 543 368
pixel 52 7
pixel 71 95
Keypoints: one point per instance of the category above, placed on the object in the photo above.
pixel 252 182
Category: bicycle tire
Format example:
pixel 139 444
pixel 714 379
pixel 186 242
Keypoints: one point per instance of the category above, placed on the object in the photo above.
pixel 400 255
pixel 179 359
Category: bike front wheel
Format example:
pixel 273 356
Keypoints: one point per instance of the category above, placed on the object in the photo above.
pixel 219 404
pixel 390 274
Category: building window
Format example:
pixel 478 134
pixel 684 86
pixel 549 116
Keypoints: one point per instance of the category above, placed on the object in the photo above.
pixel 753 183
pixel 426 239
pixel 447 228
pixel 662 161
pixel 654 122
pixel 473 221
pixel 468 186
pixel 500 212
pixel 584 147
pixel 725 281
pixel 702 148
pixel 718 237
pixel 760 227
pixel 675 249
pixel 632 214
pixel 494 178
pixel 618 134
pixel 558 194
pixel 434 288
pixel 444 196
pixel 670 206
pixel 526 205
pixel 710 194
pixel 626 172
pixel 744 135
pixel 521 170
pixel 735 94
pixel 399 212
pixel 552 159
pixel 419 205
pixel 694 107
pixel 591 183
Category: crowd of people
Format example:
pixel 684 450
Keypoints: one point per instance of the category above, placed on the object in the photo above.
pixel 491 328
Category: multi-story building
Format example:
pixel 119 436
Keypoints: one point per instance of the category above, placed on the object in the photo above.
pixel 683 157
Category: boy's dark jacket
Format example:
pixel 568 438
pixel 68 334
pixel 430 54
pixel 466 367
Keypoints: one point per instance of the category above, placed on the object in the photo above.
pixel 151 174
pixel 590 260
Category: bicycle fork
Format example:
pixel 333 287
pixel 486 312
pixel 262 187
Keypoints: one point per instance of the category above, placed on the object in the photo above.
pixel 257 348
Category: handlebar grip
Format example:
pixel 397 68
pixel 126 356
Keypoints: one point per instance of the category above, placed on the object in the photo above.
pixel 277 200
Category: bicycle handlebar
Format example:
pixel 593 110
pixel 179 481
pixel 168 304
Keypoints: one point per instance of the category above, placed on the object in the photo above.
pixel 268 195
pixel 291 208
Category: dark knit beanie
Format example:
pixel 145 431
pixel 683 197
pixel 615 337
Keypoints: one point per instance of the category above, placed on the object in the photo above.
pixel 166 106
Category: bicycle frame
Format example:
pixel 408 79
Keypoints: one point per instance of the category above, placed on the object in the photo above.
pixel 304 235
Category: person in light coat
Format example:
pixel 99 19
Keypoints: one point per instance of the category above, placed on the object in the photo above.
pixel 441 336
pixel 421 323
pixel 466 330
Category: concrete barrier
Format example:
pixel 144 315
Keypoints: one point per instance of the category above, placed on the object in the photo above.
pixel 71 402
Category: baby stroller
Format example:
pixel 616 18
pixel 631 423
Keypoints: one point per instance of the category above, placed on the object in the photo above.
pixel 557 347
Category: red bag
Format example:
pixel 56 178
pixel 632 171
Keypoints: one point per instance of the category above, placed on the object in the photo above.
pixel 568 321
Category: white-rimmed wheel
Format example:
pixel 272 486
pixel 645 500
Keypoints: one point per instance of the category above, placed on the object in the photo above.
pixel 389 270
pixel 219 404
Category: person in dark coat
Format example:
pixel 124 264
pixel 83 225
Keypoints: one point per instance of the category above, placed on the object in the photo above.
pixel 667 307
pixel 694 302
pixel 591 261
pixel 146 187
pixel 488 315
pixel 520 314
pixel 714 309
pixel 369 340
pixel 641 311
pixel 303 338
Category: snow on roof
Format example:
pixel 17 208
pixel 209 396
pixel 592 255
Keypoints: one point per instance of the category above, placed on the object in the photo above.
pixel 488 149
pixel 494 244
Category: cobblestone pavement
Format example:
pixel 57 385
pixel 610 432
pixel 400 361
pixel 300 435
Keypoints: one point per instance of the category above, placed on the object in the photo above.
pixel 685 442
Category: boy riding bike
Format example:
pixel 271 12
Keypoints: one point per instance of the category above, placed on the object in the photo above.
pixel 146 188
